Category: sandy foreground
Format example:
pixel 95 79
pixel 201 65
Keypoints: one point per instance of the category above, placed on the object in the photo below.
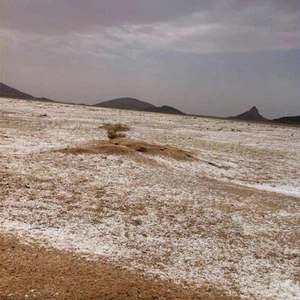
pixel 222 225
pixel 32 272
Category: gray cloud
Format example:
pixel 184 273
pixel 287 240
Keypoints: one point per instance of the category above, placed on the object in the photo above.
pixel 184 26
pixel 62 16
pixel 88 41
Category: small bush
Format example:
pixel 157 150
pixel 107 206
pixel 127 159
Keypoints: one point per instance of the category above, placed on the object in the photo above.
pixel 113 134
pixel 114 129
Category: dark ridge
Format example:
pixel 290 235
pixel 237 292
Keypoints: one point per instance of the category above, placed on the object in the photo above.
pixel 288 120
pixel 135 104
pixel 250 115
pixel 165 109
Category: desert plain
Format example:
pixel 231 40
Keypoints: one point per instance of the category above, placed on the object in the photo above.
pixel 174 207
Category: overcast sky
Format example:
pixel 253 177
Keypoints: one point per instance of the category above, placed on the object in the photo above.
pixel 209 57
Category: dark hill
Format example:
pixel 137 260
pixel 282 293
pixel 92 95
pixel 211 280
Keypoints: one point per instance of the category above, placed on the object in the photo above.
pixel 250 115
pixel 126 103
pixel 9 92
pixel 135 104
pixel 288 120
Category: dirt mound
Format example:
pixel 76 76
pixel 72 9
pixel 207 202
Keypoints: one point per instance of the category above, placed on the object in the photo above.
pixel 153 149
pixel 119 144
pixel 126 146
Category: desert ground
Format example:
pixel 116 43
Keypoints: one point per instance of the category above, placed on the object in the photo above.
pixel 169 207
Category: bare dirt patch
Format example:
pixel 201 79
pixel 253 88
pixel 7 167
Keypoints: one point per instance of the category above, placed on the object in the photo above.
pixel 128 147
pixel 119 144
pixel 32 272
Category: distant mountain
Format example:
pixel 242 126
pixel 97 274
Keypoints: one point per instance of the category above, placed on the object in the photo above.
pixel 250 115
pixel 135 104
pixel 126 103
pixel 9 92
pixel 288 120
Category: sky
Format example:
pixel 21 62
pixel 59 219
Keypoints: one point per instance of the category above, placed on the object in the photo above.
pixel 210 57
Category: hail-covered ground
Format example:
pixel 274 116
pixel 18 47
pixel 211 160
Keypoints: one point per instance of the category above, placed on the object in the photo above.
pixel 229 218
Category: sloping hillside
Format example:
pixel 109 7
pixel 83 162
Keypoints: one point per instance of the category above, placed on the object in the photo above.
pixel 10 92
pixel 165 109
